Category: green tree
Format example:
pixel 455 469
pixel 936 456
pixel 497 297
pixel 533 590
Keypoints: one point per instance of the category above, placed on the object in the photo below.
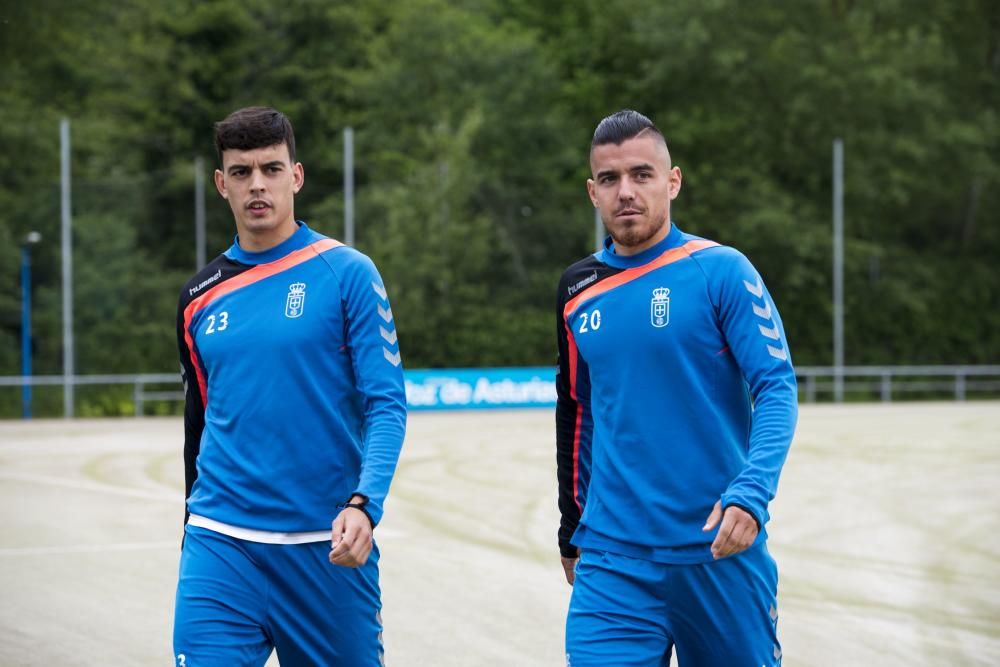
pixel 472 122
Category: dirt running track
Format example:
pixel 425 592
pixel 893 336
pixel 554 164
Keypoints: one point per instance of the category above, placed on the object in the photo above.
pixel 886 530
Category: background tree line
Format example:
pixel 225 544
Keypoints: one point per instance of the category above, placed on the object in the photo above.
pixel 472 123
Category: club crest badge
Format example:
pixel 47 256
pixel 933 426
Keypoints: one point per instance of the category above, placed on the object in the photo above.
pixel 296 301
pixel 659 307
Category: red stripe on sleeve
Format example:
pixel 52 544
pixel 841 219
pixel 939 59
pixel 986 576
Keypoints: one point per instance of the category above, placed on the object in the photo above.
pixel 578 427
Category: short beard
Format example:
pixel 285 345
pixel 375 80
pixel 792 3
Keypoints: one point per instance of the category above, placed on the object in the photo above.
pixel 634 235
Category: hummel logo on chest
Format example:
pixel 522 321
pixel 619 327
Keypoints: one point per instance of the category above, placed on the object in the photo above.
pixel 573 289
pixel 205 283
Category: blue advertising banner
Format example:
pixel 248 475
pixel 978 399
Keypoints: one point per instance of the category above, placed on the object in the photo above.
pixel 479 388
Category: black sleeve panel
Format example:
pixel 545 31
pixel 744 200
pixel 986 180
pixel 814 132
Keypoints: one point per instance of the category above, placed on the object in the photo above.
pixel 212 275
pixel 573 422
pixel 194 411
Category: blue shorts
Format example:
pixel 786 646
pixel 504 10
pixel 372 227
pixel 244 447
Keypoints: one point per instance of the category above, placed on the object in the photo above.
pixel 630 612
pixel 238 600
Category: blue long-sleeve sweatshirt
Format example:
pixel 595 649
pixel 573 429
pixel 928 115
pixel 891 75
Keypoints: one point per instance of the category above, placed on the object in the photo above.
pixel 675 391
pixel 294 385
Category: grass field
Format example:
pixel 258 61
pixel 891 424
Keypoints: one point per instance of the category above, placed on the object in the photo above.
pixel 885 529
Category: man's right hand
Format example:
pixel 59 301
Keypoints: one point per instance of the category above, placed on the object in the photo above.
pixel 351 539
pixel 569 567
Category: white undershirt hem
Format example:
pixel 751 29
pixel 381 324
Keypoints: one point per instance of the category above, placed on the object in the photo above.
pixel 264 536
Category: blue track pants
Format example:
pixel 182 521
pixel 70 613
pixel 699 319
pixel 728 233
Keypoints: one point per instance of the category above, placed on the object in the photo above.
pixel 630 612
pixel 238 600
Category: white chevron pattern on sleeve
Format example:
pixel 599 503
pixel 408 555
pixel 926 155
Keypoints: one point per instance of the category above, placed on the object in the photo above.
pixel 390 350
pixel 392 357
pixel 777 352
pixel 389 336
pixel 769 331
pixel 757 290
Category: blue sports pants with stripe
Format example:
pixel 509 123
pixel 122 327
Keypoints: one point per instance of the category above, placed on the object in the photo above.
pixel 630 612
pixel 238 600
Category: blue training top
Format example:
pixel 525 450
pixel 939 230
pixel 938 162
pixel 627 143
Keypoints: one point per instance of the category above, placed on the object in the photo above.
pixel 675 390
pixel 294 385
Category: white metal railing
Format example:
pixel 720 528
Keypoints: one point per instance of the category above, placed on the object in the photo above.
pixel 139 382
pixel 886 381
pixel 815 382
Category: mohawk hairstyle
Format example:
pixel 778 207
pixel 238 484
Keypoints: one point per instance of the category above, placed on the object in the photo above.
pixel 621 126
pixel 254 127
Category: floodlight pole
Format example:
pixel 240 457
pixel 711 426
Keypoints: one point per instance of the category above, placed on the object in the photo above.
pixel 199 212
pixel 838 270
pixel 349 186
pixel 67 271
pixel 31 239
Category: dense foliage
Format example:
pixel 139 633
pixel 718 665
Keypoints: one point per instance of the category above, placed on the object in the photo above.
pixel 472 121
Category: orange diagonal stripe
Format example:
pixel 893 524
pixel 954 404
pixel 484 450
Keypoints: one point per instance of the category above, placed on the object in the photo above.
pixel 628 275
pixel 248 277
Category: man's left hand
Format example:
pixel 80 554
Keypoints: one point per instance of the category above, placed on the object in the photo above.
pixel 738 530
pixel 351 541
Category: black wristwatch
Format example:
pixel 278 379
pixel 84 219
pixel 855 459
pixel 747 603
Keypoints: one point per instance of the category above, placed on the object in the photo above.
pixel 359 506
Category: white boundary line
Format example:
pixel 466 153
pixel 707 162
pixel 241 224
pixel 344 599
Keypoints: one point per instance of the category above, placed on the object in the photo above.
pixel 91 548
pixel 82 485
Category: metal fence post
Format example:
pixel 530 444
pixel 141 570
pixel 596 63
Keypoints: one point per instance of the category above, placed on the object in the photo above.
pixel 137 398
